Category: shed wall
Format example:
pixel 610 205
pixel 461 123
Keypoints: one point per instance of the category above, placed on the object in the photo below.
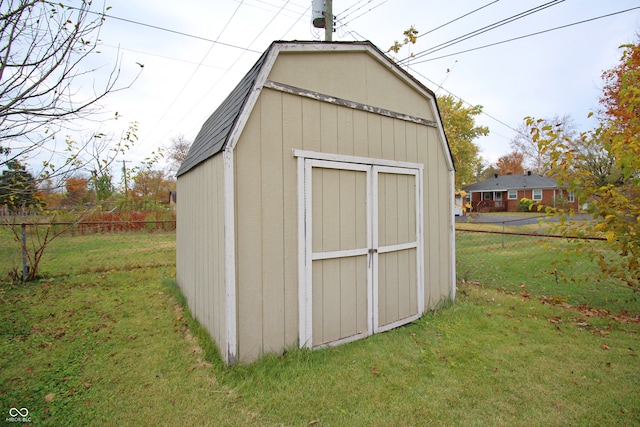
pixel 266 197
pixel 200 267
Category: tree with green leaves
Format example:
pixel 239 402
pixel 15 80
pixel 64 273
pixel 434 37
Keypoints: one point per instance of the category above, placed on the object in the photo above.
pixel 460 127
pixel 603 169
pixel 18 188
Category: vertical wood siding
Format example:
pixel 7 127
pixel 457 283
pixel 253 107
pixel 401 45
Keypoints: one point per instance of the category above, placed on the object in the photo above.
pixel 266 215
pixel 200 267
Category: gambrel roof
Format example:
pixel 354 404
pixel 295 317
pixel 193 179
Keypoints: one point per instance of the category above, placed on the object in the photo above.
pixel 513 182
pixel 222 128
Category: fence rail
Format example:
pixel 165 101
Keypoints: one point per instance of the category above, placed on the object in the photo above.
pixel 504 258
pixel 24 244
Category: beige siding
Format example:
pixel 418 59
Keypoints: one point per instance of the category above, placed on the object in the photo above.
pixel 266 215
pixel 352 76
pixel 200 268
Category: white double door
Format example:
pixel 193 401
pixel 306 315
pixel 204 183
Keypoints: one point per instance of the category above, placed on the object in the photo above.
pixel 362 248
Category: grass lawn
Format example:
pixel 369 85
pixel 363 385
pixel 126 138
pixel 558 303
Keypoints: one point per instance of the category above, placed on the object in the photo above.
pixel 110 343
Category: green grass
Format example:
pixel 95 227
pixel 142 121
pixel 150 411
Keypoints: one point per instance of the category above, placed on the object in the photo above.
pixel 541 266
pixel 113 345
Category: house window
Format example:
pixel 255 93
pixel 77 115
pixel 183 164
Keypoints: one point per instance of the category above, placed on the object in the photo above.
pixel 513 195
pixel 571 197
pixel 498 196
pixel 487 195
pixel 536 195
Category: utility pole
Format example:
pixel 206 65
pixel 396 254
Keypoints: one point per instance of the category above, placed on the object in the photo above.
pixel 328 21
pixel 124 173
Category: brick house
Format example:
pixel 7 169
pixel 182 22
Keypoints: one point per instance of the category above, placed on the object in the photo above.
pixel 502 193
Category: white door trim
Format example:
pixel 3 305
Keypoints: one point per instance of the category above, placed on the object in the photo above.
pixel 306 256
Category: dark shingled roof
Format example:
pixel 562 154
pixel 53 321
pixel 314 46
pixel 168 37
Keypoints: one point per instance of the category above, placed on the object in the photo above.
pixel 215 131
pixel 513 182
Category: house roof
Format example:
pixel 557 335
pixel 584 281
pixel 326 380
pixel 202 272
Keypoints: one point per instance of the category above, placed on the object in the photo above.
pixel 223 126
pixel 513 182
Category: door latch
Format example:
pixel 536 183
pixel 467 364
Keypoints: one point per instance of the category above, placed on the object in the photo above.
pixel 371 252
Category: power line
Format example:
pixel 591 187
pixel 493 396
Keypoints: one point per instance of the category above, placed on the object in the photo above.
pixel 458 18
pixel 365 12
pixel 527 35
pixel 344 12
pixel 483 30
pixel 206 94
pixel 269 7
pixel 193 73
pixel 346 15
pixel 297 20
pixel 159 28
pixel 465 102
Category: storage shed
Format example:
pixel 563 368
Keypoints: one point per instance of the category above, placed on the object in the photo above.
pixel 316 203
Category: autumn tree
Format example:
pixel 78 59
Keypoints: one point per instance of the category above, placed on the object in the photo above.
pixel 614 203
pixel 76 190
pixel 510 164
pixel 460 128
pixel 153 185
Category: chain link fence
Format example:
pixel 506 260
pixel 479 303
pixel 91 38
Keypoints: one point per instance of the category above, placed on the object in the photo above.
pixel 30 247
pixel 524 257
pixel 495 255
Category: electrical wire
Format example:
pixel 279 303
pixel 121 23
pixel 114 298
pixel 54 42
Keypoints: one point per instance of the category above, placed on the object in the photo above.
pixel 269 7
pixel 355 10
pixel 294 24
pixel 526 35
pixel 344 12
pixel 156 27
pixel 483 30
pixel 206 94
pixel 465 102
pixel 195 70
pixel 367 11
pixel 458 18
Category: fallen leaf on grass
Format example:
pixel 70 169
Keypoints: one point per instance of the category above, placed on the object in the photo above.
pixel 605 347
pixel 314 422
pixel 49 397
pixel 374 372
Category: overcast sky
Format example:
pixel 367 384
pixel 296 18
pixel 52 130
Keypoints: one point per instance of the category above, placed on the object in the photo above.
pixel 195 51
